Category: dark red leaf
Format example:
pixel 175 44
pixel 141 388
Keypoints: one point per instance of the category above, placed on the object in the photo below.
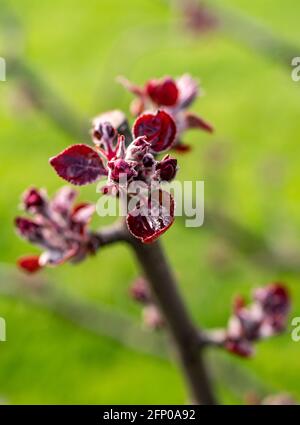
pixel 159 128
pixel 154 218
pixel 182 148
pixel 163 92
pixel 79 165
pixel 194 121
pixel 29 263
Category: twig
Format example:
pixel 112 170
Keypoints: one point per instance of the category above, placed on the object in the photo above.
pixel 185 336
pixel 46 99
pixel 97 319
pixel 243 29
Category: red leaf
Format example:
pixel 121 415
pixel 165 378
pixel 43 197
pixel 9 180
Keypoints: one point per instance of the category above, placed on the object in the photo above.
pixel 182 148
pixel 78 164
pixel 29 263
pixel 194 121
pixel 163 92
pixel 159 128
pixel 155 218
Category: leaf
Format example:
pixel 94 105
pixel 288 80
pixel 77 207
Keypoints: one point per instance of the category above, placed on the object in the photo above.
pixel 163 92
pixel 194 121
pixel 159 128
pixel 147 222
pixel 79 165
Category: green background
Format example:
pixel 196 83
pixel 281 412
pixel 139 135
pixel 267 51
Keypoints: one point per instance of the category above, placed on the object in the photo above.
pixel 250 167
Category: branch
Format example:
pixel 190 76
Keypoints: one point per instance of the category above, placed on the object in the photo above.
pixel 185 336
pixel 240 27
pixel 109 235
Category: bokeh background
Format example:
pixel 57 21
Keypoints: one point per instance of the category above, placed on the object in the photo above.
pixel 250 166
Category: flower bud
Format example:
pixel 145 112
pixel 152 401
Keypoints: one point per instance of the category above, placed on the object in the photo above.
pixel 29 229
pixel 121 166
pixel 33 199
pixel 104 131
pixel 167 168
pixel 29 263
pixel 152 317
pixel 163 92
pixel 148 160
pixel 139 291
pixel 137 149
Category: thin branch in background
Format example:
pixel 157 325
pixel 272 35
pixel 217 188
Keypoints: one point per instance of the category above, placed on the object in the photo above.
pixel 97 319
pixel 103 321
pixel 45 99
pixel 253 246
pixel 202 15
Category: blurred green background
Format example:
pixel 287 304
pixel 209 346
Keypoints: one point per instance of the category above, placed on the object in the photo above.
pixel 250 167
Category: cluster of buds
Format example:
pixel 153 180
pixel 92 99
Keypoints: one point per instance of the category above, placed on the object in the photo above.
pixel 57 226
pixel 172 96
pixel 122 157
pixel 140 292
pixel 264 317
pixel 123 165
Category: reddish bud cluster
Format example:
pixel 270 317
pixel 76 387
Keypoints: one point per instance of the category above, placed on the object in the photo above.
pixel 152 134
pixel 140 292
pixel 265 317
pixel 173 96
pixel 57 226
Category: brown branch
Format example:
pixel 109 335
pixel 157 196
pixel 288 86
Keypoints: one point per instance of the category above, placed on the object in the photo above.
pixel 109 235
pixel 184 334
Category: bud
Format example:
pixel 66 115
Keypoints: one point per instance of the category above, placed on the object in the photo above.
pixel 167 168
pixel 274 299
pixel 137 149
pixel 120 166
pixel 29 229
pixel 163 92
pixel 29 263
pixel 152 317
pixel 33 199
pixel 148 160
pixel 104 131
pixel 139 290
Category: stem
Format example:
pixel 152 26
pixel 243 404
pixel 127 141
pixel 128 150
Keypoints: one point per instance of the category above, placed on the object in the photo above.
pixel 184 334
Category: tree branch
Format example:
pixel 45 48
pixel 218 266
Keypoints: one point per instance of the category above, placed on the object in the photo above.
pixel 109 235
pixel 184 334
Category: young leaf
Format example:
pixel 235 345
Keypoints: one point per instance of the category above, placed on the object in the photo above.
pixel 150 221
pixel 79 165
pixel 159 128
